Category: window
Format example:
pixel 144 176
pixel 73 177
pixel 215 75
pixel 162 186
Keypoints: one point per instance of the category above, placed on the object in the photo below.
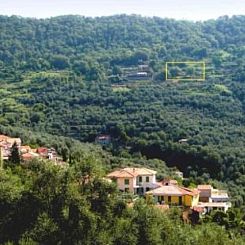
pixel 140 179
pixel 147 189
pixel 180 200
pixel 160 199
pixel 126 181
pixel 169 199
pixel 147 179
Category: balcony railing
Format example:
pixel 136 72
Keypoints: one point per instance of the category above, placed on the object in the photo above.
pixel 139 183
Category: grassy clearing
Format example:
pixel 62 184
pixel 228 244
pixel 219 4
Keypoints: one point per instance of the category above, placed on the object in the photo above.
pixel 222 88
pixel 120 89
pixel 209 90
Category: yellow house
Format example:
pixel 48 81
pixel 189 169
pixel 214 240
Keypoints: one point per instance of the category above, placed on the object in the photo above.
pixel 174 195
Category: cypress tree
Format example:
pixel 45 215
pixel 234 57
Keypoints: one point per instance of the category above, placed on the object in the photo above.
pixel 15 155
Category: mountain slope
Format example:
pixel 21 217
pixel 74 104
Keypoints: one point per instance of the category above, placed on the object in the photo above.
pixel 56 76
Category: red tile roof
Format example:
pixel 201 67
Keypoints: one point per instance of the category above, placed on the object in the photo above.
pixel 9 139
pixel 131 172
pixel 29 156
pixel 167 182
pixel 42 150
pixel 25 148
pixel 173 190
pixel 3 137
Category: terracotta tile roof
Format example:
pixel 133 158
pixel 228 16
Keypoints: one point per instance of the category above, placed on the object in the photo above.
pixel 167 182
pixel 130 172
pixel 173 190
pixel 204 187
pixel 9 139
pixel 42 150
pixel 25 148
pixel 3 137
pixel 29 156
pixel 120 174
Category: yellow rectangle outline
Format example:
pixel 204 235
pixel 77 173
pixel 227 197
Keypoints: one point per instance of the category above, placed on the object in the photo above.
pixel 185 62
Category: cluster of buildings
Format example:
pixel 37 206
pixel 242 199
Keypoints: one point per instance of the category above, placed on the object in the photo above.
pixel 138 181
pixel 26 152
pixel 167 193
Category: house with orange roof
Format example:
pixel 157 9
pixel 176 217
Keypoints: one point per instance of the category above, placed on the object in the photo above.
pixel 3 137
pixel 174 195
pixel 10 140
pixel 134 180
pixel 29 156
pixel 25 149
pixel 167 181
pixel 6 144
pixel 47 153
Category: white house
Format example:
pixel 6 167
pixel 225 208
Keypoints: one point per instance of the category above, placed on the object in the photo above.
pixel 134 180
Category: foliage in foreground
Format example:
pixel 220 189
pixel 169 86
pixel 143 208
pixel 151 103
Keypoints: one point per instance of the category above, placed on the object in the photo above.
pixel 45 204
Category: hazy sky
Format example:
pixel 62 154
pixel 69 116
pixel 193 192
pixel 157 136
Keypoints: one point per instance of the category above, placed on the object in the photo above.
pixel 178 9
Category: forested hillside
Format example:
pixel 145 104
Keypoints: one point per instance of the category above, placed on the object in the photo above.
pixel 68 76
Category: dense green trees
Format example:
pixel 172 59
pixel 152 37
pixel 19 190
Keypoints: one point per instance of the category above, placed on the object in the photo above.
pixel 123 40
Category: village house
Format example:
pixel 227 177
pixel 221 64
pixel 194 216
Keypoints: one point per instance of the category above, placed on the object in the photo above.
pixel 205 192
pixel 209 194
pixel 29 156
pixel 138 75
pixel 219 195
pixel 145 68
pixel 207 207
pixel 167 181
pixel 134 180
pixel 103 139
pixel 4 138
pixel 212 199
pixel 6 144
pixel 25 149
pixel 183 141
pixel 47 153
pixel 173 195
